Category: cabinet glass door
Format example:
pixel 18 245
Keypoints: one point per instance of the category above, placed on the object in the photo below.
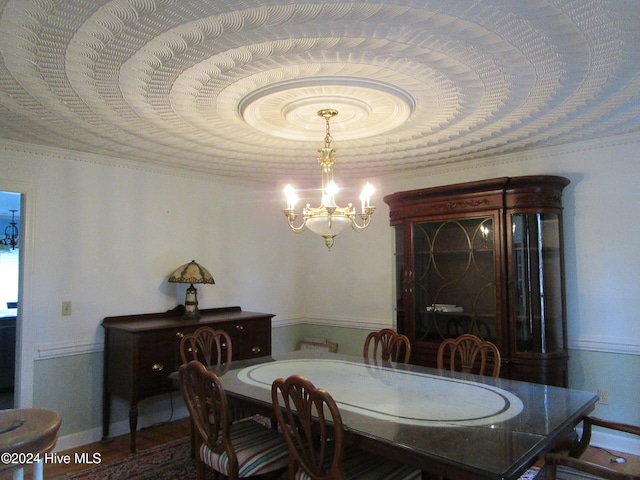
pixel 454 278
pixel 537 274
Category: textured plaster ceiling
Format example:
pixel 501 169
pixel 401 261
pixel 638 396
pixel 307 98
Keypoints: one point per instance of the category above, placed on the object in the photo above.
pixel 232 87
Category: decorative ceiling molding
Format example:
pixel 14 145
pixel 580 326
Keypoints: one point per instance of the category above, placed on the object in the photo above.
pixel 231 88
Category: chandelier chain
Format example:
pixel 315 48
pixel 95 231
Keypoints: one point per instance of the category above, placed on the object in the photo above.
pixel 327 138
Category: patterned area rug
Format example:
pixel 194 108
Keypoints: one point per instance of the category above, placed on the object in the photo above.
pixel 171 461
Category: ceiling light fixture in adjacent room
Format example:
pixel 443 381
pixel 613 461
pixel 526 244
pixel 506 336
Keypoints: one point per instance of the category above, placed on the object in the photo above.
pixel 11 234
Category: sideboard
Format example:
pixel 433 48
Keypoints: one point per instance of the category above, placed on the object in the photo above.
pixel 140 351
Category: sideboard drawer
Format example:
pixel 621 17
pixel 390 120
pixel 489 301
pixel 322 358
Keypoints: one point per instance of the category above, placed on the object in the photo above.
pixel 253 339
pixel 156 360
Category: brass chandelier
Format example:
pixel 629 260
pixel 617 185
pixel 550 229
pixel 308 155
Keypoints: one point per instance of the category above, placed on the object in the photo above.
pixel 328 220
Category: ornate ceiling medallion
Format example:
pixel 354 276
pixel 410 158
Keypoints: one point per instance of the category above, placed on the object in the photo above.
pixel 287 109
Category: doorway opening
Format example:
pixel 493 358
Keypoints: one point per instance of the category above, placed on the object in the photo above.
pixel 9 285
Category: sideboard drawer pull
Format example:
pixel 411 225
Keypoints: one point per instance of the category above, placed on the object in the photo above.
pixel 239 327
pixel 157 367
pixel 179 334
pixel 256 349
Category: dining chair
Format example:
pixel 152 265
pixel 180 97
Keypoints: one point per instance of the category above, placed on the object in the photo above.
pixel 461 354
pixel 387 344
pixel 312 426
pixel 610 466
pixel 240 449
pixel 214 350
pixel 209 346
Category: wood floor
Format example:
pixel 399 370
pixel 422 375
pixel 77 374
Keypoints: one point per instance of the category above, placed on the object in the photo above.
pixel 115 449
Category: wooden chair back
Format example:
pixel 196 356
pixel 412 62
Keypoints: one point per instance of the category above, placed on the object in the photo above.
pixel 208 346
pixel 207 404
pixel 461 354
pixel 212 348
pixel 312 427
pixel 388 345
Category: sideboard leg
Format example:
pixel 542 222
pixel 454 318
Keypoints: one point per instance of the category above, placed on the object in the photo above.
pixel 133 425
pixel 106 416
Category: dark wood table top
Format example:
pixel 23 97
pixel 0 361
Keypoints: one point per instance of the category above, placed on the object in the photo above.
pixel 445 423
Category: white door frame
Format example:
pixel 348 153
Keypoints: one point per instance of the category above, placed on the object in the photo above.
pixel 24 332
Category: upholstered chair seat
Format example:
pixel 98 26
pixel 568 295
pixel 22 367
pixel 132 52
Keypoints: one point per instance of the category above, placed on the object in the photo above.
pixel 259 450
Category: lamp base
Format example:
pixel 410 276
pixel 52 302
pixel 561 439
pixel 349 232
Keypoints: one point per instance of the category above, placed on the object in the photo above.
pixel 195 315
pixel 191 304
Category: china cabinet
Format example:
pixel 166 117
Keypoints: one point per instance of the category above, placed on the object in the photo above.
pixel 486 258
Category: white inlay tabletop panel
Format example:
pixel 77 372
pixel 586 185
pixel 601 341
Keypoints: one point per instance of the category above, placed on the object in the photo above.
pixel 397 395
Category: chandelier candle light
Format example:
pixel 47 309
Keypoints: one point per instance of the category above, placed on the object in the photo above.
pixel 328 220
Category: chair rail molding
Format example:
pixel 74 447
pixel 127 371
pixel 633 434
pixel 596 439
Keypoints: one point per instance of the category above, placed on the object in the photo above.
pixel 606 345
pixel 348 322
pixel 47 351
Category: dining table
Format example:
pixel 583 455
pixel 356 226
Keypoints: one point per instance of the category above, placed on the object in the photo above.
pixel 445 423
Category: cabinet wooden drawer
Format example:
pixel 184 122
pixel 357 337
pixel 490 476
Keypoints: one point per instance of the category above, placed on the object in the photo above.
pixel 256 339
pixel 156 360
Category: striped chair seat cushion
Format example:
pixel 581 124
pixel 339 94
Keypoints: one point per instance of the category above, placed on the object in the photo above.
pixel 361 466
pixel 258 449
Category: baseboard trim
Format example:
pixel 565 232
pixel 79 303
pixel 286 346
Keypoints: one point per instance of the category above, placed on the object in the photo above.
pixel 87 437
pixel 616 443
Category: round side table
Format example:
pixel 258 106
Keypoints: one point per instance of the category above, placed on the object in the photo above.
pixel 25 436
